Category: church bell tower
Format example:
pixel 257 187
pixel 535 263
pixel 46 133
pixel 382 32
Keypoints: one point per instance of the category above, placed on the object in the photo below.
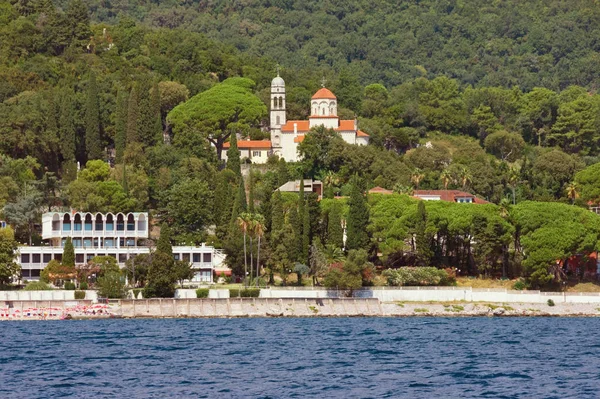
pixel 277 109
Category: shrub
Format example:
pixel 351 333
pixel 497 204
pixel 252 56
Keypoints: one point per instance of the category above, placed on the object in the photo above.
pixel 519 285
pixel 244 293
pixel 202 293
pixel 79 294
pixel 69 286
pixel 136 292
pixel 551 302
pixel 37 286
pixel 418 276
pixel 83 286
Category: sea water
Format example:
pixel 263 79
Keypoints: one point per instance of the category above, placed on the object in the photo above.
pixel 310 357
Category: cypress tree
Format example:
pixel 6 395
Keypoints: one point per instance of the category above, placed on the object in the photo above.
pixel 131 134
pixel 146 123
pixel 164 241
pixel 125 183
pixel 335 232
pixel 67 128
pixel 296 223
pixel 93 142
pixel 277 217
pixel 68 258
pixel 222 202
pixel 358 217
pixel 305 236
pixel 157 117
pixel 121 125
pixel 250 192
pixel 78 20
pixel 233 156
pixel 283 174
pixel 314 211
pixel 423 243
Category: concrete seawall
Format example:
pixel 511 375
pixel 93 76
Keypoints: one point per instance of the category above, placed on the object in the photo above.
pixel 250 307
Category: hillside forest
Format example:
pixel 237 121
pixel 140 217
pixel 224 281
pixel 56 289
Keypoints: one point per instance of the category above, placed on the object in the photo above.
pixel 119 106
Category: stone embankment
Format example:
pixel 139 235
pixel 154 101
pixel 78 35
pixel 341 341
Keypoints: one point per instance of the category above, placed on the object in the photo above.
pixel 290 307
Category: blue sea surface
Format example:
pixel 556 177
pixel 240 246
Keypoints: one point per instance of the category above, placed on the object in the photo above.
pixel 309 357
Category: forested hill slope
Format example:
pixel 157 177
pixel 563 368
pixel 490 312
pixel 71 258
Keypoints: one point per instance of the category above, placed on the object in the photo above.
pixel 549 43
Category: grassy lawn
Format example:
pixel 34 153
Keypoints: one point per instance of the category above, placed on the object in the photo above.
pixel 484 283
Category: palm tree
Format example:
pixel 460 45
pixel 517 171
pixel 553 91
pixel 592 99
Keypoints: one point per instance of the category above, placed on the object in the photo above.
pixel 513 179
pixel 417 176
pixel 333 254
pixel 330 180
pixel 465 177
pixel 446 178
pixel 243 222
pixel 504 208
pixel 573 192
pixel 259 232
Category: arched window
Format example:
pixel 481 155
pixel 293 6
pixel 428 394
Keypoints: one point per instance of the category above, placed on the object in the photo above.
pixel 88 226
pixel 99 226
pixel 278 119
pixel 67 222
pixel 142 222
pixel 110 222
pixel 323 111
pixel 120 222
pixel 130 223
pixel 280 102
pixel 55 222
pixel 77 223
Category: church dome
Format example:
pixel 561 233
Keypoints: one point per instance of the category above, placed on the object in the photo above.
pixel 277 81
pixel 324 94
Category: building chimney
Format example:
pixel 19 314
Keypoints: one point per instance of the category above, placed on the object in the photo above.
pixel 295 128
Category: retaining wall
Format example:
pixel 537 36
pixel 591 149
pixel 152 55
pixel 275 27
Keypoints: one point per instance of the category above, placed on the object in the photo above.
pixel 49 295
pixel 436 294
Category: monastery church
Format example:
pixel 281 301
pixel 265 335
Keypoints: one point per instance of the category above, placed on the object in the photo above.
pixel 286 135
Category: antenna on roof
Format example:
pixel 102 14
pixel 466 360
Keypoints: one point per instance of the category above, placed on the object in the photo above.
pixel 277 67
pixel 323 81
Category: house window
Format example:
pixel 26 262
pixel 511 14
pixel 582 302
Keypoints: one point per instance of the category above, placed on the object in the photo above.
pixel 47 258
pixel 186 257
pixel 36 258
pixel 79 258
pixel 24 258
pixel 256 153
pixel 25 273
pixel 35 272
pixel 122 258
pixel 176 256
pixel 196 258
pixel 206 258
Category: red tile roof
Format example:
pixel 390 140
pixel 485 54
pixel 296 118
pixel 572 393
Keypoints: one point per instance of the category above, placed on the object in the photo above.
pixel 299 138
pixel 360 133
pixel 380 190
pixel 323 116
pixel 323 93
pixel 449 195
pixel 251 144
pixel 346 125
pixel 303 126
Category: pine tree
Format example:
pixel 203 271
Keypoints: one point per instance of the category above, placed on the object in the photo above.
pixel 164 241
pixel 157 117
pixel 68 258
pixel 121 125
pixel 233 156
pixel 358 217
pixel 335 232
pixel 277 217
pixel 131 134
pixel 78 20
pixel 250 192
pixel 422 241
pixel 93 142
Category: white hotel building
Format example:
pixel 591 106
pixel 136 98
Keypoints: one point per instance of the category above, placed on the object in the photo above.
pixel 119 235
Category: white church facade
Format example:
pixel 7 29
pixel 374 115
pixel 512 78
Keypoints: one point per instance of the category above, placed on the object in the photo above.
pixel 287 134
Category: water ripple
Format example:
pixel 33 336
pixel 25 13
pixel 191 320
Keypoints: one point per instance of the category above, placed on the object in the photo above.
pixel 281 358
